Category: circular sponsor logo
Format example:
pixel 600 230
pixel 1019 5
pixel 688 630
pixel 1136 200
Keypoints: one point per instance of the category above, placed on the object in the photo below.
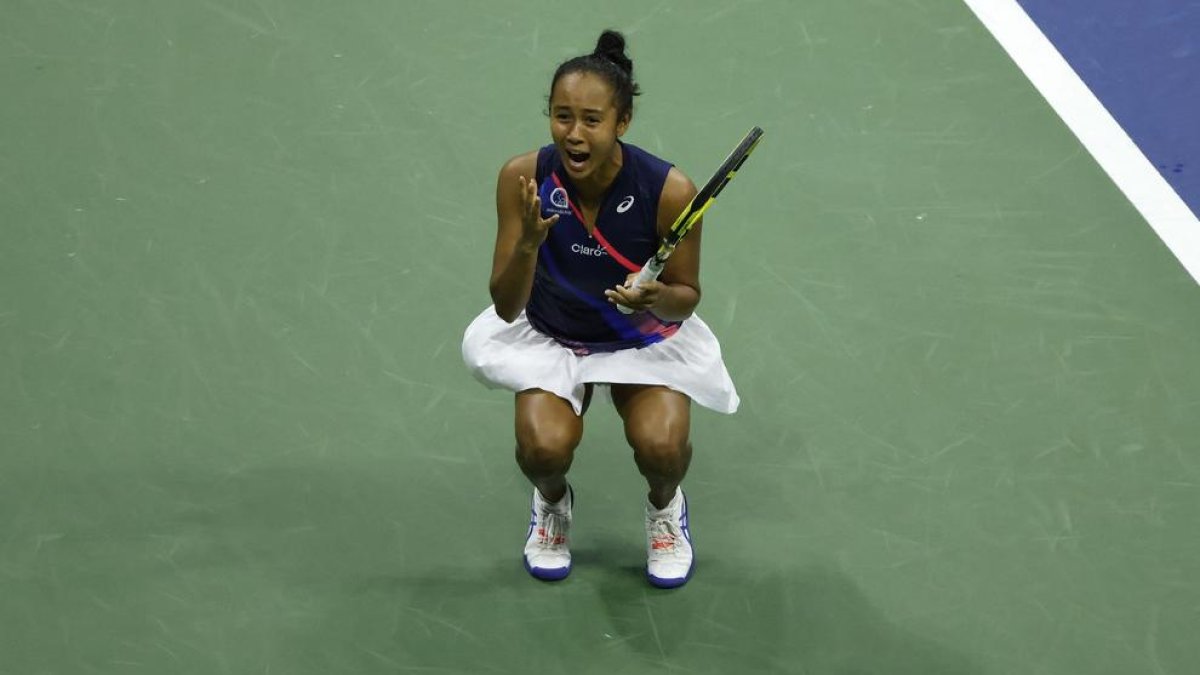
pixel 625 204
pixel 558 197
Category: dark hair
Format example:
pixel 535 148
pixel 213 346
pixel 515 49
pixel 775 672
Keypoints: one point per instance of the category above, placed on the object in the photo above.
pixel 609 61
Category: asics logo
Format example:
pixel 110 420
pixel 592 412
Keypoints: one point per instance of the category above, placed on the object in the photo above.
pixel 625 204
pixel 588 250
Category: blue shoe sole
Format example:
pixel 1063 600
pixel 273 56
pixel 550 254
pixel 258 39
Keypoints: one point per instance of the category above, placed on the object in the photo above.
pixel 659 582
pixel 544 574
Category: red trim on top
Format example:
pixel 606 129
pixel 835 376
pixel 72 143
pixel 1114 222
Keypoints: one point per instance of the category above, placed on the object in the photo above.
pixel 558 184
pixel 612 252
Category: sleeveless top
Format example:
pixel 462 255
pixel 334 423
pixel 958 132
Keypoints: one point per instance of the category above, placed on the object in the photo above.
pixel 574 269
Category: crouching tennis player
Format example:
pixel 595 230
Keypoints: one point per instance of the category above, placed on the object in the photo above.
pixel 576 219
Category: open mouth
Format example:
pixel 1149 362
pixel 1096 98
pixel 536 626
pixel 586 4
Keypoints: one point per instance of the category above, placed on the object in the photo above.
pixel 577 159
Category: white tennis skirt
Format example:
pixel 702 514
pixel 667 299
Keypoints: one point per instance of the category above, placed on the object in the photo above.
pixel 516 357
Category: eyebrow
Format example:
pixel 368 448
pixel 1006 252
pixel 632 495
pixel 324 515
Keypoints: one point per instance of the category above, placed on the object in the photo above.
pixel 597 111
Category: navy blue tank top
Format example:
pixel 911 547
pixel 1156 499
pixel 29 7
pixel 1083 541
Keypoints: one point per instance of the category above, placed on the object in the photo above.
pixel 574 269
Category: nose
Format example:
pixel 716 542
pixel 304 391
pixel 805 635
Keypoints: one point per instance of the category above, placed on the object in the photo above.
pixel 573 136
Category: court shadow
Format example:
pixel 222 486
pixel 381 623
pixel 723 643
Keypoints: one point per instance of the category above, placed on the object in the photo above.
pixel 486 615
pixel 812 620
pixel 358 597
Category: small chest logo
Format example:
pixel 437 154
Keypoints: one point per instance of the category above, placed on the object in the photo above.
pixel 593 251
pixel 625 204
pixel 558 197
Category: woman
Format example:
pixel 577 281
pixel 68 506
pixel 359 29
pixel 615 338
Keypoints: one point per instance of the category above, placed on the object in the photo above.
pixel 576 219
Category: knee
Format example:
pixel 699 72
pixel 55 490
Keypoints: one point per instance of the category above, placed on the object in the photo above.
pixel 660 447
pixel 546 450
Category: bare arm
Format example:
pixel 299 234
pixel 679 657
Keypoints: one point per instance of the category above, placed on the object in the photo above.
pixel 520 231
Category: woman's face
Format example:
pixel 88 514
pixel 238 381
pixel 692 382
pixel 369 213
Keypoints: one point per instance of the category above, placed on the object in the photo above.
pixel 584 123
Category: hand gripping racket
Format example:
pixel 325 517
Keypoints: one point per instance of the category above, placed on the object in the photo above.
pixel 695 209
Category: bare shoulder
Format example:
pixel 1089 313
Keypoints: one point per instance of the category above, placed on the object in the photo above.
pixel 677 191
pixel 508 185
pixel 524 164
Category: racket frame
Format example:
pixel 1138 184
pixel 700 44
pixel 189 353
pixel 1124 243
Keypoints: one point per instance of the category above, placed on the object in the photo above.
pixel 695 209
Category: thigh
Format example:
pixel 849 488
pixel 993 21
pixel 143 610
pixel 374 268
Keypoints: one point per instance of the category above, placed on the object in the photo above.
pixel 653 412
pixel 544 419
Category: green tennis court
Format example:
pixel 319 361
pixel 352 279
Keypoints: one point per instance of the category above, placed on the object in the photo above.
pixel 241 240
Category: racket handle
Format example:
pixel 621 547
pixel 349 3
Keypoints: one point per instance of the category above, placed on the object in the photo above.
pixel 648 273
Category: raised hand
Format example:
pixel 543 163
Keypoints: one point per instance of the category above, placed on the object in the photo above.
pixel 534 227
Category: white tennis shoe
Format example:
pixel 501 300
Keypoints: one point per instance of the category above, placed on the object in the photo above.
pixel 548 542
pixel 669 558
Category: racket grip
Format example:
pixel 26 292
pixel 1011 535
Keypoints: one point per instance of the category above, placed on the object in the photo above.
pixel 648 273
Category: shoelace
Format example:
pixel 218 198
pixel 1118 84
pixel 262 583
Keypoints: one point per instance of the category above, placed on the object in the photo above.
pixel 663 535
pixel 552 530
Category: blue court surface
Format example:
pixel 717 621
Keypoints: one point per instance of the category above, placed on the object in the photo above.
pixel 1142 60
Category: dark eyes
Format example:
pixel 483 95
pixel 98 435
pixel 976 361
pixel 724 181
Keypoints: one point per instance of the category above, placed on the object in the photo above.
pixel 564 117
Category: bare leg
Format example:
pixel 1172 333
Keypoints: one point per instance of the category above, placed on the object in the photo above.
pixel 548 431
pixel 657 424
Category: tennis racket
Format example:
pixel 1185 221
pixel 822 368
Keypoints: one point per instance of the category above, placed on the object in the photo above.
pixel 695 209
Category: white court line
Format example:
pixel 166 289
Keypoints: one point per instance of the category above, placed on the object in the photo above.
pixel 1083 113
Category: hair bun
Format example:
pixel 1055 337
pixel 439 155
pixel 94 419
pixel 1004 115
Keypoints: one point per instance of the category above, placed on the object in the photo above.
pixel 611 46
